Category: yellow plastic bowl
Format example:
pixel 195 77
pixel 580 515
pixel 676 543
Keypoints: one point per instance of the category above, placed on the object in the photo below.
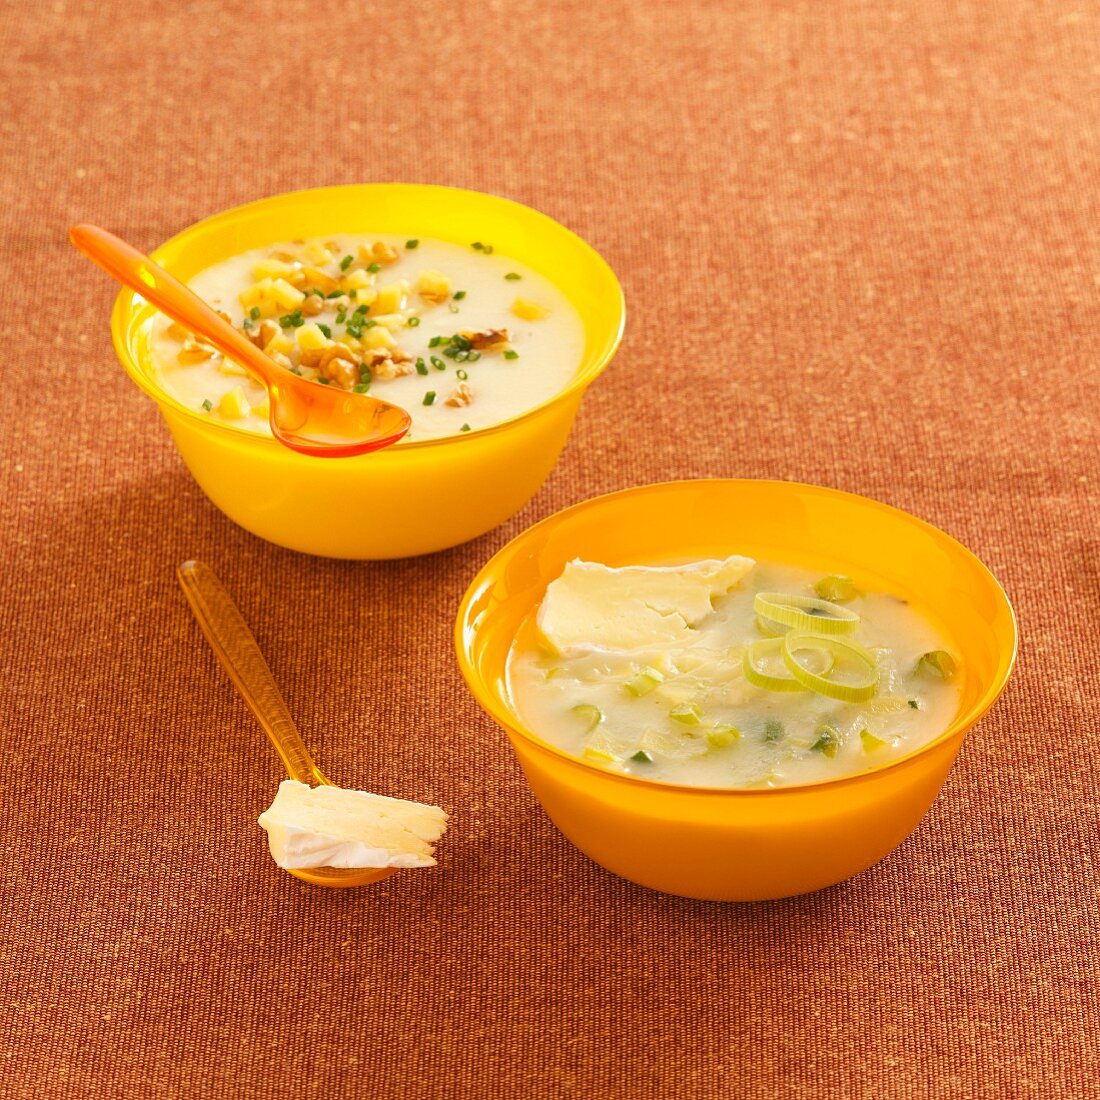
pixel 419 496
pixel 740 845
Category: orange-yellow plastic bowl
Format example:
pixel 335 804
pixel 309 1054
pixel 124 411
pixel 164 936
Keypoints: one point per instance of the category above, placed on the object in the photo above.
pixel 740 845
pixel 419 496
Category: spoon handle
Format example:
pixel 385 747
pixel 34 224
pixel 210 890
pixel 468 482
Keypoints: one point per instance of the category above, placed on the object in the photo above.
pixel 135 270
pixel 237 650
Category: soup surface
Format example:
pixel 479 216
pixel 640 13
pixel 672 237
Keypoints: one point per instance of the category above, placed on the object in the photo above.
pixel 460 337
pixel 729 673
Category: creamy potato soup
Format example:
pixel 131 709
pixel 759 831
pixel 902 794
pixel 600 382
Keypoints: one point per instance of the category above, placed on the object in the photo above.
pixel 729 673
pixel 457 335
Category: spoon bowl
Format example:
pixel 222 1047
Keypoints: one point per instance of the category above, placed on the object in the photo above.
pixel 237 650
pixel 312 419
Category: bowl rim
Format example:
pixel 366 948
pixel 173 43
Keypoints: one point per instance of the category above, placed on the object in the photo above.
pixel 509 721
pixel 124 315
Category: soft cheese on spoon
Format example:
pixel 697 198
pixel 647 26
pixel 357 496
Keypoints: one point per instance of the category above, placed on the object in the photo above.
pixel 594 606
pixel 332 827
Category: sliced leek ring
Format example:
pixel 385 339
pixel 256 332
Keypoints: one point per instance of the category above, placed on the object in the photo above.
pixel 804 613
pixel 847 691
pixel 754 658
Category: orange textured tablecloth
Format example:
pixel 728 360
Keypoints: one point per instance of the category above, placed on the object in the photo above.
pixel 860 244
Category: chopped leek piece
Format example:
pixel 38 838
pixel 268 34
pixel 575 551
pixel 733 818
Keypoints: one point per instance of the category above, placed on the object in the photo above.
pixel 721 737
pixel 642 757
pixel 828 741
pixel 591 715
pixel 773 732
pixel 840 649
pixel 752 664
pixel 837 589
pixel 598 756
pixel 644 682
pixel 871 743
pixel 805 613
pixel 688 714
pixel 937 663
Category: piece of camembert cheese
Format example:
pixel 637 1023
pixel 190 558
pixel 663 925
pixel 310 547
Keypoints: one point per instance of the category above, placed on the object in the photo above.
pixel 593 606
pixel 331 827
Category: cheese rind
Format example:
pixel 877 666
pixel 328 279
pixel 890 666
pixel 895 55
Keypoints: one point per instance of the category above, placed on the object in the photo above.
pixel 331 827
pixel 593 606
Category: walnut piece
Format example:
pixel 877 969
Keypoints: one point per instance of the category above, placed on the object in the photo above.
pixel 489 339
pixel 460 396
pixel 378 253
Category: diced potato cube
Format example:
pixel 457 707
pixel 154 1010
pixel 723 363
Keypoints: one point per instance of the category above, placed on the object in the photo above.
pixel 262 408
pixel 317 253
pixel 234 370
pixel 256 293
pixel 356 280
pixel 311 338
pixel 529 310
pixel 285 295
pixel 379 337
pixel 393 321
pixel 433 286
pixel 279 344
pixel 234 405
pixel 272 269
pixel 391 298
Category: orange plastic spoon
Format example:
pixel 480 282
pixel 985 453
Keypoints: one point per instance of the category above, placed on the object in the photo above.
pixel 236 648
pixel 306 416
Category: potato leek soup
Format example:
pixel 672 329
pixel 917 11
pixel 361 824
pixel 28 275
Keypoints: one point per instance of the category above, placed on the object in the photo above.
pixel 729 673
pixel 457 335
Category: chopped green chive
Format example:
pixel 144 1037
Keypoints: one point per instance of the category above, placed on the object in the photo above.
pixel 438 363
pixel 477 246
pixel 435 341
pixel 462 375
pixel 324 381
pixel 207 405
pixel 914 704
pixel 247 323
pixel 361 388
pixel 464 428
pixel 429 397
pixel 254 313
pixel 413 322
pixel 296 370
pixel 346 262
pixel 372 268
pixel 414 243
pixel 473 355
pixel 510 354
pixel 341 316
pixel 512 276
pixel 335 294
pixel 326 330
pixel 459 295
pixel 364 373
pixel 292 320
pixel 642 757
pixel 353 294
pixel 421 367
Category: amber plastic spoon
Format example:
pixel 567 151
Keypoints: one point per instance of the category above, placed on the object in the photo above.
pixel 235 646
pixel 306 416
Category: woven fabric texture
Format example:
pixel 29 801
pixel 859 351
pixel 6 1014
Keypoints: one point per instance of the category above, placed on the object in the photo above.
pixel 860 244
